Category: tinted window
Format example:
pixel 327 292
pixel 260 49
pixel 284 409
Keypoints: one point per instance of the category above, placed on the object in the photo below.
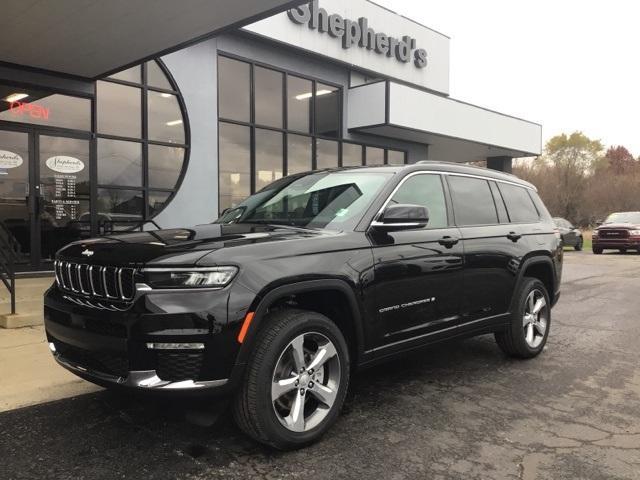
pixel 472 201
pixel 519 204
pixel 497 198
pixel 351 155
pixel 425 190
pixel 233 88
pixel 327 110
pixel 268 93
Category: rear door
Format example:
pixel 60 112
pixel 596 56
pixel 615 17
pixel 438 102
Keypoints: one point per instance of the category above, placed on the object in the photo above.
pixel 492 246
pixel 418 273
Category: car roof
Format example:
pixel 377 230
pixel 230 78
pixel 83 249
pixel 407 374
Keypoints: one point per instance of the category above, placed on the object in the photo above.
pixel 445 167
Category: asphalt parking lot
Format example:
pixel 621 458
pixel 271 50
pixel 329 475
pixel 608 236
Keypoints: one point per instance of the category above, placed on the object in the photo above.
pixel 460 410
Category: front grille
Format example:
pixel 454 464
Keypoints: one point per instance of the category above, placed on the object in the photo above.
pixel 179 366
pixel 613 233
pixel 109 283
pixel 112 363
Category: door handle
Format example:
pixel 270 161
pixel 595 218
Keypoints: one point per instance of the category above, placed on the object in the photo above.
pixel 513 236
pixel 448 241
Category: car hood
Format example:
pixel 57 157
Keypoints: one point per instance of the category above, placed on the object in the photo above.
pixel 180 246
pixel 619 226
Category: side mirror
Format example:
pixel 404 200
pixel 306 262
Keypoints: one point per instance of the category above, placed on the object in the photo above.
pixel 402 217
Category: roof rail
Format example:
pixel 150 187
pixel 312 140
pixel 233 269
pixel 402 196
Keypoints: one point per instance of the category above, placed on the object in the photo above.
pixel 427 162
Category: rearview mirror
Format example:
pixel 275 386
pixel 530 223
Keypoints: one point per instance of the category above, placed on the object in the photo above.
pixel 402 217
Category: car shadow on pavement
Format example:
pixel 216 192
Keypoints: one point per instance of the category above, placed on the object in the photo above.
pixel 110 434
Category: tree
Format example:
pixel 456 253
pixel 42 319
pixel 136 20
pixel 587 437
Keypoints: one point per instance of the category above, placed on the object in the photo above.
pixel 619 160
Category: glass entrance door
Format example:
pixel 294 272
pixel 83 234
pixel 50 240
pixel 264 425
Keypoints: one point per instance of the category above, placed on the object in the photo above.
pixel 62 194
pixel 15 218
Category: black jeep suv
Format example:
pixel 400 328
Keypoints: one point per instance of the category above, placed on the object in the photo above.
pixel 321 273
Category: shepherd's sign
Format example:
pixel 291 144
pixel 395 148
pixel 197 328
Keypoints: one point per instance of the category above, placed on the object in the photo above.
pixel 358 33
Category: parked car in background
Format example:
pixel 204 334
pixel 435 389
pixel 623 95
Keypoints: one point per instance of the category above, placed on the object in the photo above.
pixel 620 231
pixel 571 236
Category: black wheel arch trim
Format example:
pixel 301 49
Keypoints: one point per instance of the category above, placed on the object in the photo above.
pixel 264 300
pixel 536 259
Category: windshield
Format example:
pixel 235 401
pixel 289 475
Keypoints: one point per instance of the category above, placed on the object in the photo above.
pixel 327 200
pixel 623 217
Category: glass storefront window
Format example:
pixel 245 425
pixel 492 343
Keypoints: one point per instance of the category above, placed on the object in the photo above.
pixel 119 163
pixel 156 77
pixel 133 75
pixel 299 92
pixel 37 107
pixel 327 110
pixel 165 117
pixel 157 201
pixel 299 154
pixel 268 97
pixel 118 205
pixel 351 155
pixel 326 153
pixel 234 164
pixel 395 157
pixel 165 166
pixel 234 80
pixel 269 157
pixel 375 156
pixel 118 109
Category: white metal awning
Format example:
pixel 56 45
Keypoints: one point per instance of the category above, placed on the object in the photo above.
pixel 455 131
pixel 90 38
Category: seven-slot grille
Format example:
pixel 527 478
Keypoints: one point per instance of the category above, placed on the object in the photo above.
pixel 111 283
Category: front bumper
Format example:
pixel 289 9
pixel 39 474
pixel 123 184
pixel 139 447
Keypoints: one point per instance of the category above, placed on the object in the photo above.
pixel 111 348
pixel 616 243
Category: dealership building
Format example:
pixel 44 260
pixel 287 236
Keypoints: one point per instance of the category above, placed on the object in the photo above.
pixel 103 137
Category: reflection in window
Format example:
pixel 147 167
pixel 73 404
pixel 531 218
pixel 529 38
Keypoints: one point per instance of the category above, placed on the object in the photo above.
pixel 116 205
pixel 425 190
pixel 351 155
pixel 165 118
pixel 157 201
pixel 299 154
pixel 234 89
pixel 395 157
pixel 375 156
pixel 133 74
pixel 326 154
pixel 268 97
pixel 118 109
pixel 156 77
pixel 234 164
pixel 165 166
pixel 268 157
pixel 119 163
pixel 327 110
pixel 299 104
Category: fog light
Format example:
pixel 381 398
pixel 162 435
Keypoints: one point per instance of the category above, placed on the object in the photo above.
pixel 175 346
pixel 52 347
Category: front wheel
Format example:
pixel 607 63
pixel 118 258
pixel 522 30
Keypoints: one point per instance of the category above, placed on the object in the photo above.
pixel 296 380
pixel 528 329
pixel 578 245
pixel 596 250
pixel 622 250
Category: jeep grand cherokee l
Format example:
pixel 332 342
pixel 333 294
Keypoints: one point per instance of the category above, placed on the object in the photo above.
pixel 620 231
pixel 319 274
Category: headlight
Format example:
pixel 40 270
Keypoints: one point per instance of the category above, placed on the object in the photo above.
pixel 205 277
pixel 634 233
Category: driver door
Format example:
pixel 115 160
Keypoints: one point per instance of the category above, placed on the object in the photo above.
pixel 418 273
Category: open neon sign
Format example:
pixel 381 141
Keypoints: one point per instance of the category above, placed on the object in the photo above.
pixel 32 110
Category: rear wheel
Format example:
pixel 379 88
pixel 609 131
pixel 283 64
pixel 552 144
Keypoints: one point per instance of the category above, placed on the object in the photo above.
pixel 596 250
pixel 578 245
pixel 296 380
pixel 528 329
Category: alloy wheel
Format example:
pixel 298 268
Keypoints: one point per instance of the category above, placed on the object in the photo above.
pixel 536 318
pixel 305 382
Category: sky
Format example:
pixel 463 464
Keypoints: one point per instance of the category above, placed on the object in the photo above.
pixel 566 64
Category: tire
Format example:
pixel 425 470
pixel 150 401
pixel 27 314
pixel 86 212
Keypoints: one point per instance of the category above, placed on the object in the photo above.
pixel 514 341
pixel 596 250
pixel 578 245
pixel 273 358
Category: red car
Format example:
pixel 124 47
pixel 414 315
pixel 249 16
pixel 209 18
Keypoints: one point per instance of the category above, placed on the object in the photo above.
pixel 620 231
